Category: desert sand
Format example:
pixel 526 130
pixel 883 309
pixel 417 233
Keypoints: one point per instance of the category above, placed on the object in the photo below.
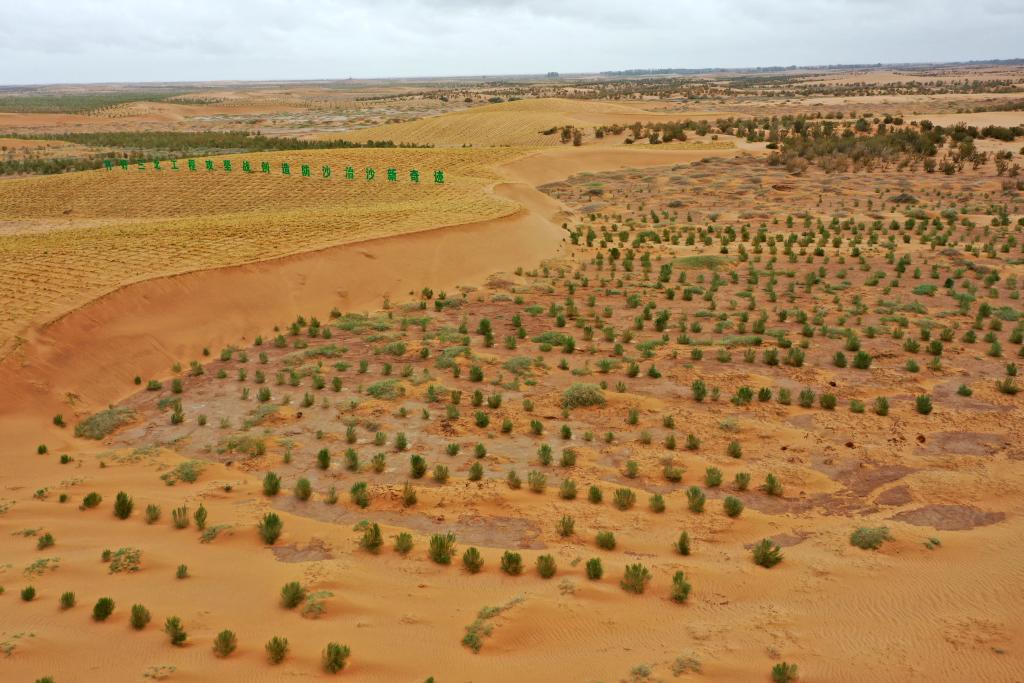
pixel 579 301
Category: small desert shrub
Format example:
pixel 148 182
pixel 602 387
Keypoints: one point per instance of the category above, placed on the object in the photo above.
pixel 606 540
pixel 594 569
pixel 200 517
pixel 680 587
pixel 923 404
pixel 735 450
pixel 594 495
pixel 334 657
pixel 657 503
pixel 67 600
pixel 277 649
pixel 372 538
pixel 767 554
pixel 537 481
pixel 472 560
pixel 182 571
pixel 225 643
pixel 624 499
pixel 881 406
pixel 566 526
pixel 772 486
pixel 712 477
pixel 511 563
pixel 635 578
pixel 28 593
pixel 582 395
pixel 91 500
pixel 695 499
pixel 292 594
pixel 152 513
pixel 179 516
pixel 784 672
pixel 303 489
pixel 140 617
pixel 441 548
pixel 270 528
pixel 403 543
pixel 733 506
pixel 682 546
pixel 868 538
pixel 546 566
pixel 175 631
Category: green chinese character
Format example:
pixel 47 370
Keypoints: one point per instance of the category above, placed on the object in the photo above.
pixel 414 175
pixel 326 170
pixel 286 169
pixel 370 174
pixel 247 167
pixel 174 164
pixel 123 163
pixel 209 164
pixel 350 173
pixel 191 164
pixel 392 175
pixel 142 165
pixel 438 176
pixel 227 165
pixel 305 170
pixel 156 164
pixel 264 167
pixel 108 164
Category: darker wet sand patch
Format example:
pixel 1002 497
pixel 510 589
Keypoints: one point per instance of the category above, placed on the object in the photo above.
pixel 949 517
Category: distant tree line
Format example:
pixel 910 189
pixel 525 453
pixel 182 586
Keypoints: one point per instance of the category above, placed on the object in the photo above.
pixel 150 145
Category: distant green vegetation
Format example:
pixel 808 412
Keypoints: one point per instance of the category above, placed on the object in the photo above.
pixel 708 261
pixel 56 103
pixel 150 145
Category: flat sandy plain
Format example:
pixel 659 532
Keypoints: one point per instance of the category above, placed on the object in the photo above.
pixel 328 333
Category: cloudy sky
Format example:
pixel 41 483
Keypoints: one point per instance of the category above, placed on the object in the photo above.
pixel 70 41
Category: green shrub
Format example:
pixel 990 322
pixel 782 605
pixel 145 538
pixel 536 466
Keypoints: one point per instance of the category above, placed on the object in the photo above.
pixel 923 404
pixel 103 608
pixel 67 600
pixel 292 594
pixel 334 657
pixel 472 560
pixel 546 566
pixel 28 593
pixel 140 617
pixel 784 672
pixel 179 516
pixel 441 548
pixel 594 569
pixel 772 486
pixel 277 649
pixel 372 538
pixel 767 554
pixel 680 587
pixel 695 499
pixel 175 631
pixel 635 578
pixel 270 528
pixel 881 406
pixel 682 546
pixel 581 395
pixel 403 543
pixel 303 489
pixel 152 513
pixel 91 500
pixel 225 643
pixel 712 477
pixel 606 540
pixel 624 499
pixel 733 506
pixel 511 563
pixel 870 538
